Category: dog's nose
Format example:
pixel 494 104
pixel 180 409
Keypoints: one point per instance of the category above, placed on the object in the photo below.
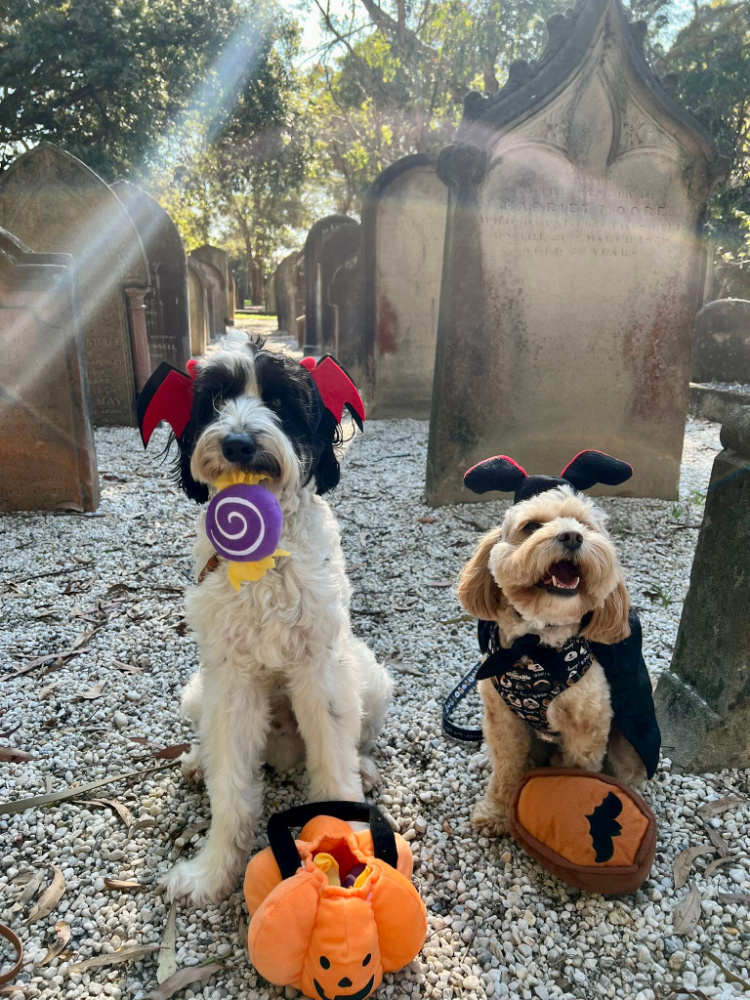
pixel 238 448
pixel 345 982
pixel 571 539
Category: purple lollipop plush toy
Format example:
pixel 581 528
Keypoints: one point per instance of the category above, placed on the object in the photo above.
pixel 243 523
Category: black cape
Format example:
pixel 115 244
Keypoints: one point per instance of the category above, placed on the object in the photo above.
pixel 630 688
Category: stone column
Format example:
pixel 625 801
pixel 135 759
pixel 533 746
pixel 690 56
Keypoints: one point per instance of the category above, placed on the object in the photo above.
pixel 138 335
pixel 703 701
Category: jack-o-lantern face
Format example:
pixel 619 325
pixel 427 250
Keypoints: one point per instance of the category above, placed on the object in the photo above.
pixel 344 961
pixel 345 982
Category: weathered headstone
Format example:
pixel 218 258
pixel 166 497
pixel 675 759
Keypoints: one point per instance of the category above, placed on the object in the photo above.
pixel 269 295
pixel 215 265
pixel 403 219
pixel 343 253
pixel 47 449
pixel 167 302
pixel 56 204
pixel 721 349
pixel 318 314
pixel 572 270
pixel 231 297
pixel 300 292
pixel 215 284
pixel 703 701
pixel 285 293
pixel 200 332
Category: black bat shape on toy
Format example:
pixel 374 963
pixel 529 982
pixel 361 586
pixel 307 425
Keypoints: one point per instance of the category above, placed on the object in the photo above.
pixel 604 827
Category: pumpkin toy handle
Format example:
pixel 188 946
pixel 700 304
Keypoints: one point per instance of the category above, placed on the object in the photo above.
pixel 285 850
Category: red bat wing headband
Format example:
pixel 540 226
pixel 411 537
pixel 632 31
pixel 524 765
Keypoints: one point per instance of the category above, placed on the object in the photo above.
pixel 585 470
pixel 168 395
pixel 336 388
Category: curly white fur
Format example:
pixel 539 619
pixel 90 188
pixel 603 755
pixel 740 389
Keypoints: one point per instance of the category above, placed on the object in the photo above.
pixel 286 633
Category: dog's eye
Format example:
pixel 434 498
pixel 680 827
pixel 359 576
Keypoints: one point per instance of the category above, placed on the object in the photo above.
pixel 274 403
pixel 531 527
pixel 325 962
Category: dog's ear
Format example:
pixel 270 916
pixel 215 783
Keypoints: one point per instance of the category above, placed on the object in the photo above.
pixel 477 591
pixel 609 623
pixel 326 467
pixel 182 475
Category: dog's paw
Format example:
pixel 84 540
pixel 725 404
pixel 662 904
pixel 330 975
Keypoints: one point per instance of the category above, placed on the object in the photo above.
pixel 199 881
pixel 369 773
pixel 487 818
pixel 190 764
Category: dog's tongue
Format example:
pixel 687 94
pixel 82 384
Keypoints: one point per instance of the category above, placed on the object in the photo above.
pixel 565 573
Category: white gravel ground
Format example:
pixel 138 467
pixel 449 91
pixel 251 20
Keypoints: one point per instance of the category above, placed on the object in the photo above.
pixel 498 924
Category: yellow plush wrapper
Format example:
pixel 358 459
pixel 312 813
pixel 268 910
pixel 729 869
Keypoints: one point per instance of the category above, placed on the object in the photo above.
pixel 240 572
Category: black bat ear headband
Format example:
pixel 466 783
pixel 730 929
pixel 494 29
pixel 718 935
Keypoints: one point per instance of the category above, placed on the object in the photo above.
pixel 168 395
pixel 586 470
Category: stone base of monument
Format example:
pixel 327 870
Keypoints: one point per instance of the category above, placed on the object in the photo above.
pixel 716 400
pixel 703 701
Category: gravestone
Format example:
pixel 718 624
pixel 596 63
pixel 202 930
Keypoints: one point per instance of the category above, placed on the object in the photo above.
pixel 56 204
pixel 343 249
pixel 47 449
pixel 337 246
pixel 403 219
pixel 221 298
pixel 215 283
pixel 300 291
pixel 167 302
pixel 573 272
pixel 721 349
pixel 200 333
pixel 703 701
pixel 317 310
pixel 231 297
pixel 285 291
pixel 269 295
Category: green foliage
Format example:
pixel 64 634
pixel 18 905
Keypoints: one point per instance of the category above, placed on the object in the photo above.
pixel 103 79
pixel 711 57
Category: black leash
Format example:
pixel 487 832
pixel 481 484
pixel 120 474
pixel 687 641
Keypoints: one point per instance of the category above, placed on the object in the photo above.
pixel 452 702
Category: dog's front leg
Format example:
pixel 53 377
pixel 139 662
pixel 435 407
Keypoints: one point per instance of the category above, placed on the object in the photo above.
pixel 327 705
pixel 582 715
pixel 233 729
pixel 508 746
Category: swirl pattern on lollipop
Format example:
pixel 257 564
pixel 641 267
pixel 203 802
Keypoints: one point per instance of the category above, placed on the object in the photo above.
pixel 244 523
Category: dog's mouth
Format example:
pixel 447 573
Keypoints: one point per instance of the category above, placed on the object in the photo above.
pixel 562 578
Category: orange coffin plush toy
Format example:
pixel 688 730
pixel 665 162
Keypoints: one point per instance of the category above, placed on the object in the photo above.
pixel 335 910
pixel 590 830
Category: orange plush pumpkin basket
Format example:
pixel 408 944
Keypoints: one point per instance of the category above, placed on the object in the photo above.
pixel 588 829
pixel 333 911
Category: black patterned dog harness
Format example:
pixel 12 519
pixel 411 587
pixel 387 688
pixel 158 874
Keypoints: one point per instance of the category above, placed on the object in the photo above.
pixel 529 676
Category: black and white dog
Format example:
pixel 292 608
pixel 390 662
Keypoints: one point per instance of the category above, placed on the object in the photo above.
pixel 278 659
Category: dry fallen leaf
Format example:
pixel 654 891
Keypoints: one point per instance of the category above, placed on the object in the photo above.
pixel 32 882
pixel 9 732
pixel 122 884
pixel 427 520
pixel 116 958
pixel 183 978
pixel 403 668
pixel 167 948
pixel 173 752
pixel 439 583
pixel 710 869
pixel 184 838
pixel 684 862
pixel 140 824
pixel 687 913
pixel 62 935
pixel 710 809
pixel 734 897
pixel 15 756
pixel 49 898
pixel 730 976
pixel 96 691
pixel 719 843
pixel 122 811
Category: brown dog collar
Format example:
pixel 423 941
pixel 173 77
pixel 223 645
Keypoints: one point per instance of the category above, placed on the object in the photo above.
pixel 211 565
